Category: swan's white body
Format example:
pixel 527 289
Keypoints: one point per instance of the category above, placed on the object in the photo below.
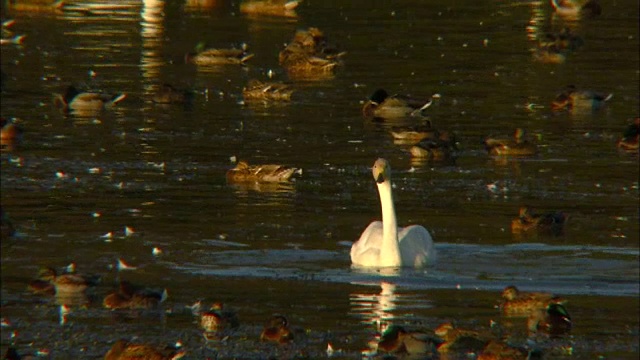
pixel 383 243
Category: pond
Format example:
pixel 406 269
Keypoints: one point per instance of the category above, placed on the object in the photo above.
pixel 145 182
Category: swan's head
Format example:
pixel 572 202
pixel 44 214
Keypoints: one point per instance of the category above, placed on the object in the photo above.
pixel 381 171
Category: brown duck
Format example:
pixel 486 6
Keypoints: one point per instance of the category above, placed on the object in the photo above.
pixel 516 303
pixel 243 172
pixel 551 223
pixel 277 330
pixel 126 350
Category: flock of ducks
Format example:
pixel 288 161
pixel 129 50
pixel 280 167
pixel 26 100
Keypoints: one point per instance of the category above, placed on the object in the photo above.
pixel 383 243
pixel 545 314
pixel 546 318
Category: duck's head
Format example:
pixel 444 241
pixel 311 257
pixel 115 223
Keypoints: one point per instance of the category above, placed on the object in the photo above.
pixel 200 47
pixel 392 338
pixel 525 213
pixel 47 274
pixel 217 306
pixel 559 311
pixel 71 93
pixel 381 171
pixel 378 96
pixel 242 165
pixel 277 322
pixel 443 329
pixel 510 292
pixel 564 99
pixel 115 300
pixel 632 130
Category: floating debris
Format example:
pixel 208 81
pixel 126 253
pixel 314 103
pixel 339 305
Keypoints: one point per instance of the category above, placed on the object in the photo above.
pixel 122 265
pixel 128 231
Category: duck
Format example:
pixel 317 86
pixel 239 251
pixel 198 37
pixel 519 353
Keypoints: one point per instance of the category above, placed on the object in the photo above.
pixel 499 350
pixel 10 134
pixel 553 321
pixel 125 350
pixel 438 149
pixel 298 62
pixel 516 303
pixel 6 226
pixel 554 48
pixel 50 282
pixel 551 223
pixel 314 42
pixel 381 105
pixel 516 146
pixel 211 56
pixel 576 100
pixel 413 135
pixel 383 243
pixel 309 53
pixel 217 319
pixel 276 330
pixel 243 172
pixel 574 9
pixel 549 54
pixel 258 90
pixel 74 100
pixel 459 340
pixel 168 94
pixel 630 137
pixel 397 340
pixel 129 296
pixel 563 40
pixel 285 8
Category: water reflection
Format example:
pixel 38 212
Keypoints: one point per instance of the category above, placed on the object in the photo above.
pixel 36 7
pixel 151 22
pixel 195 145
pixel 376 309
pixel 97 11
pixel 201 5
pixel 533 27
pixel 259 8
pixel 243 189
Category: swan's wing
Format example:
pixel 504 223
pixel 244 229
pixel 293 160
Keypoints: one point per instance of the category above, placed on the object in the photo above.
pixel 416 246
pixel 366 251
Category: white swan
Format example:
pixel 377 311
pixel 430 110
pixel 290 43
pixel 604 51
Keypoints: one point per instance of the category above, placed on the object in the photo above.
pixel 383 243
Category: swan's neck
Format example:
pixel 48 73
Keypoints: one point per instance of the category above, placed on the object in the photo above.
pixel 390 250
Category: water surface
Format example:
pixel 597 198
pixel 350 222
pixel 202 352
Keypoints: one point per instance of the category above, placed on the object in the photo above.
pixel 285 249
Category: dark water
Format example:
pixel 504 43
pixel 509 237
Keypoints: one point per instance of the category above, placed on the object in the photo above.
pixel 284 249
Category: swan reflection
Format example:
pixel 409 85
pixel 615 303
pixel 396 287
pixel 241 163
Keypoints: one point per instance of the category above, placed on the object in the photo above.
pixel 376 309
pixel 382 311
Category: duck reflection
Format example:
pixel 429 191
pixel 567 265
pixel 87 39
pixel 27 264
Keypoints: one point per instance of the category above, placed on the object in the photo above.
pixel 262 187
pixel 41 6
pixel 507 165
pixel 202 5
pixel 257 8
